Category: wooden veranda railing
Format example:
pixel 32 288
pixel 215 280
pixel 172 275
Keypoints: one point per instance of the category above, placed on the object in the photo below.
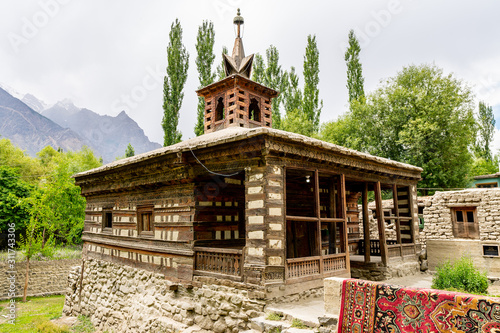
pixel 311 266
pixel 220 261
pixel 394 249
pixel 401 250
pixel 374 246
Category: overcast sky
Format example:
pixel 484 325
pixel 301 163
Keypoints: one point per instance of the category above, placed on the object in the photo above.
pixel 109 56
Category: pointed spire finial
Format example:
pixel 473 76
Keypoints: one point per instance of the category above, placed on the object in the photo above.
pixel 237 63
pixel 238 20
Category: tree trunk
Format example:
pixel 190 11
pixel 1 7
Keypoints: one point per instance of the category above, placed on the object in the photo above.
pixel 26 279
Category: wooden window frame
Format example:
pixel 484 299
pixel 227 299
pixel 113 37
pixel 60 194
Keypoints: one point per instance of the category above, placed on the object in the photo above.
pixel 107 216
pixel 141 211
pixel 454 222
pixel 487 185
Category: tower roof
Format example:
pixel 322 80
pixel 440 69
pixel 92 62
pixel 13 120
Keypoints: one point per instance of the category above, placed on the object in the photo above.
pixel 237 63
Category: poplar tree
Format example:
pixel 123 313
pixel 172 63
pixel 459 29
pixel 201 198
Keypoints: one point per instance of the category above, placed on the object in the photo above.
pixel 311 104
pixel 273 78
pixel 292 95
pixel 173 84
pixel 355 78
pixel 204 61
pixel 258 69
pixel 221 73
pixel 486 129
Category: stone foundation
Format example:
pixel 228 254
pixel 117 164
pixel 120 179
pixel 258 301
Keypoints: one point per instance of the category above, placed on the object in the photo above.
pixel 307 294
pixel 125 299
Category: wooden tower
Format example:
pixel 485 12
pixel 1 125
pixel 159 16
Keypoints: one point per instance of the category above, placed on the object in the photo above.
pixel 236 100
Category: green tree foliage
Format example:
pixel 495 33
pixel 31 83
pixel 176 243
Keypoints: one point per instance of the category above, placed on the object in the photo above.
pixel 482 166
pixel 296 121
pixel 292 94
pixel 62 198
pixel 486 129
pixel 173 84
pixel 38 238
pixel 13 190
pixel 258 69
pixel 205 58
pixel 461 276
pixel 355 80
pixel 311 104
pixel 129 152
pixel 273 78
pixel 421 117
pixel 13 157
pixel 221 73
pixel 49 197
pixel 343 131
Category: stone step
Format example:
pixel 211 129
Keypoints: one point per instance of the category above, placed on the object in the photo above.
pixel 263 325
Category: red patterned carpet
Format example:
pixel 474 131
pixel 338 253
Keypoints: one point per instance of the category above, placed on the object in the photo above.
pixel 376 307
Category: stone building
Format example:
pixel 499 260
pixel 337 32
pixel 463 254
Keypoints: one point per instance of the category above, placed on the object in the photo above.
pixel 463 223
pixel 259 212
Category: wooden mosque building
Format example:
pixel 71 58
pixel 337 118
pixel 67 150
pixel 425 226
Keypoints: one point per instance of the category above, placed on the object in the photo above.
pixel 271 210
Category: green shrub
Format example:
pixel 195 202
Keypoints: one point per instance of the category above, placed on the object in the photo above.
pixel 460 276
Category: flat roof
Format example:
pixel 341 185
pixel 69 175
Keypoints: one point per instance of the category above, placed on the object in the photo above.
pixel 494 175
pixel 234 134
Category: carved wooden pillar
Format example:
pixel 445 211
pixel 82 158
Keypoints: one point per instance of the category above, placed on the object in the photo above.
pixel 381 223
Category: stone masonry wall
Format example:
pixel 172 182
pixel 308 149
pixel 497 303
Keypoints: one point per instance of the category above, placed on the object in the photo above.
pixel 45 277
pixel 390 228
pixel 438 219
pixel 125 299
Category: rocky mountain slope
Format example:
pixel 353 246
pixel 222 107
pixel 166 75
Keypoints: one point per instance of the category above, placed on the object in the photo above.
pixel 32 131
pixel 108 135
pixel 29 124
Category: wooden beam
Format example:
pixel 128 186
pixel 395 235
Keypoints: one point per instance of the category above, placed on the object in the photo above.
pixel 412 205
pixel 345 244
pixel 396 212
pixel 381 223
pixel 318 215
pixel 366 223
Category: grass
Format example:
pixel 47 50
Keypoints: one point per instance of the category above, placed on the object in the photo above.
pixel 35 316
pixel 36 311
pixel 83 325
pixel 297 323
pixel 66 252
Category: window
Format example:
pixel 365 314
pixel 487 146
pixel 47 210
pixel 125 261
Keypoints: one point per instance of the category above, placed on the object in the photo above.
pixel 487 185
pixel 219 111
pixel 145 220
pixel 490 250
pixel 107 219
pixel 465 223
pixel 254 110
